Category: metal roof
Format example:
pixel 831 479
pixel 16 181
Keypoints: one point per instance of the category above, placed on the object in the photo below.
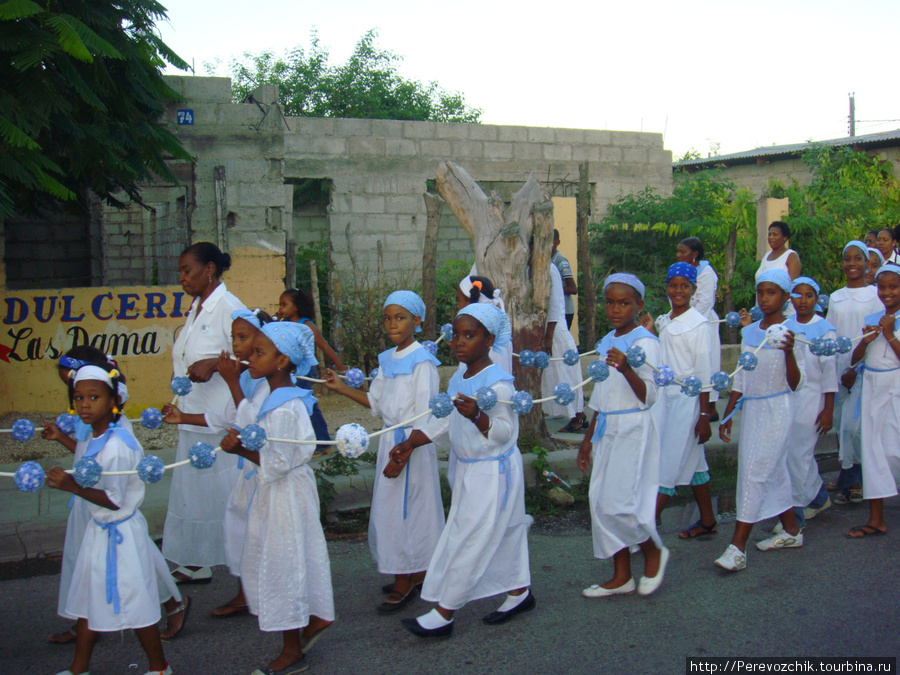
pixel 775 152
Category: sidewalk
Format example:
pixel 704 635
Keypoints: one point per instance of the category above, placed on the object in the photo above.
pixel 33 525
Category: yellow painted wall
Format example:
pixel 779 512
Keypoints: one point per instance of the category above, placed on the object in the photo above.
pixel 136 325
pixel 564 219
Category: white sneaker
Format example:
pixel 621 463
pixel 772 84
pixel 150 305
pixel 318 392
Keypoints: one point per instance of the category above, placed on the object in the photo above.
pixel 781 540
pixel 812 513
pixel 597 591
pixel 779 528
pixel 732 560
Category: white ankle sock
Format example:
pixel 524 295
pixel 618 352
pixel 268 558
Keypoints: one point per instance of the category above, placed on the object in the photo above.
pixel 512 601
pixel 433 620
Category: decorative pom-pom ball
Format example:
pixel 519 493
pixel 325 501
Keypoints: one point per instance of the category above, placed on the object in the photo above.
pixel 253 437
pixel 526 358
pixel 447 332
pixel 664 377
pixel 151 418
pixel 486 398
pixel 22 430
pixel 720 381
pixel 818 346
pixel 352 440
pixel 756 313
pixel 373 373
pixel 181 386
pixel 151 469
pixel 441 405
pixel 831 347
pixel 522 403
pixel 431 346
pixel 563 393
pixel 775 335
pixel 732 319
pixel 86 472
pixel 29 477
pixel 748 361
pixel 824 299
pixel 635 356
pixel 355 377
pixel 66 423
pixel 598 370
pixel 692 386
pixel 202 455
pixel 541 360
pixel 844 344
pixel 571 357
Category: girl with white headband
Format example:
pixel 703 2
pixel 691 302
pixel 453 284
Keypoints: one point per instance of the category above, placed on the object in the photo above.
pixel 480 290
pixel 114 582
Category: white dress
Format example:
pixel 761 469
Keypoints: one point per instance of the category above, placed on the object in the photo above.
pixel 625 473
pixel 407 515
pixel 821 379
pixel 234 523
pixel 193 534
pixel 285 569
pixel 94 592
pixel 483 550
pixel 684 347
pixel 563 341
pixel 880 415
pixel 764 486
pixel 847 312
pixel 704 301
pixel 78 520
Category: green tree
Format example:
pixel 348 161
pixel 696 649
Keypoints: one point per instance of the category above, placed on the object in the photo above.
pixel 81 101
pixel 366 86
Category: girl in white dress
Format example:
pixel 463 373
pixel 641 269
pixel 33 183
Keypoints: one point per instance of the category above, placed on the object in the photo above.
pixel 481 289
pixel 880 410
pixel 483 550
pixel 285 570
pixel 407 515
pixel 114 580
pixel 684 421
pixel 764 486
pixel 247 394
pixel 621 449
pixel 813 411
pixel 847 311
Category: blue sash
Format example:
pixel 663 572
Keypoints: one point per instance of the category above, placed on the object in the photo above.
pixel 600 426
pixel 114 538
pixel 503 462
pixel 739 404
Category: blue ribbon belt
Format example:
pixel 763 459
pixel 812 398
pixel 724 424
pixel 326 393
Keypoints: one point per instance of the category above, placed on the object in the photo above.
pixel 740 402
pixel 860 371
pixel 399 437
pixel 503 461
pixel 114 538
pixel 600 426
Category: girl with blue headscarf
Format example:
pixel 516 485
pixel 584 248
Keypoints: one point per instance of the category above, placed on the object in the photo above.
pixel 407 514
pixel 285 569
pixel 684 421
pixel 847 311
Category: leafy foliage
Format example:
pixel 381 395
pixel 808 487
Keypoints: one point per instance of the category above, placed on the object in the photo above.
pixel 366 86
pixel 81 96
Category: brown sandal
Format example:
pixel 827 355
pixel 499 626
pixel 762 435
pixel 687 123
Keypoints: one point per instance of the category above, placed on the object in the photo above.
pixel 63 637
pixel 228 609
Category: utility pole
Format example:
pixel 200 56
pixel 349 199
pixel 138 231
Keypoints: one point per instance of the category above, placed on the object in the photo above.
pixel 852 113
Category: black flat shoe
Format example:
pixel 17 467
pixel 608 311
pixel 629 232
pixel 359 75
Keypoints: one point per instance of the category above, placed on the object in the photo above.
pixel 526 605
pixel 413 627
pixel 387 589
pixel 388 607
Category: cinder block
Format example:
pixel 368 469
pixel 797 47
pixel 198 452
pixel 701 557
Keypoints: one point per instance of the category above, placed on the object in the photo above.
pixel 423 130
pixel 570 136
pixel 610 154
pixel 635 155
pixel 402 204
pixel 311 126
pixel 328 145
pixel 586 153
pixel 597 137
pixel 462 150
pixel 387 128
pixel 386 224
pixel 400 147
pixel 498 150
pixel 527 151
pixel 367 204
pixel 365 146
pixel 557 152
pixel 436 149
pixel 452 131
pixel 352 127
pixel 483 132
pixel 541 134
pixel 651 140
pixel 660 156
pixel 516 134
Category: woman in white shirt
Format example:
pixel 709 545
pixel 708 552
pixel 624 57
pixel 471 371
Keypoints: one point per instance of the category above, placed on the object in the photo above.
pixel 193 536
pixel 780 257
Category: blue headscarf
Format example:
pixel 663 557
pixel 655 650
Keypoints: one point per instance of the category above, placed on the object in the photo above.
pixel 809 281
pixel 409 301
pixel 493 319
pixel 778 277
pixel 889 267
pixel 871 251
pixel 681 269
pixel 858 244
pixel 295 341
pixel 627 279
pixel 250 317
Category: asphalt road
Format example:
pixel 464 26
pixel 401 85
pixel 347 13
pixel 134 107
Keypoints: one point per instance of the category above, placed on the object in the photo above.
pixel 833 597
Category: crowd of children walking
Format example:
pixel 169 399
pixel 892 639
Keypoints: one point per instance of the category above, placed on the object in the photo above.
pixel 642 441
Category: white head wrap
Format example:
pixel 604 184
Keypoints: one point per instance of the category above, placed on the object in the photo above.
pixel 91 372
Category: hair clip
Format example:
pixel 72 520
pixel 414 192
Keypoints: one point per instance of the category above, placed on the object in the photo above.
pixel 476 284
pixel 71 411
pixel 115 410
pixel 113 374
pixel 71 374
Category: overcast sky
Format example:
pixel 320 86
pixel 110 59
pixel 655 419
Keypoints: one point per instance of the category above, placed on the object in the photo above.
pixel 737 74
